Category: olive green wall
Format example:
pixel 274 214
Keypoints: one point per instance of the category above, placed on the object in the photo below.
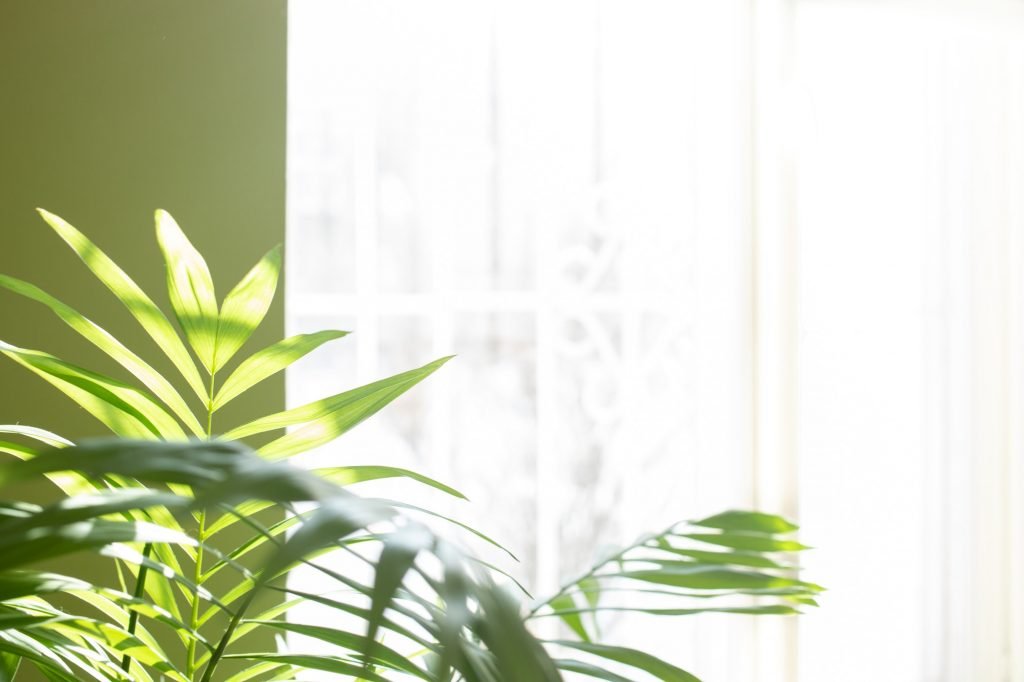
pixel 110 109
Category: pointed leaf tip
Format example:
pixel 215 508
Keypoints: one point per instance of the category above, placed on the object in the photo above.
pixel 246 305
pixel 190 288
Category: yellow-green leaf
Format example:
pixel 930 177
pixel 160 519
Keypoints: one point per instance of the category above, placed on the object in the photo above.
pixel 103 340
pixel 133 297
pixel 326 419
pixel 269 361
pixel 190 288
pixel 246 305
pixel 125 410
pixel 41 435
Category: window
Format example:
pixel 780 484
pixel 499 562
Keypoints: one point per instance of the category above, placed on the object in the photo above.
pixel 691 255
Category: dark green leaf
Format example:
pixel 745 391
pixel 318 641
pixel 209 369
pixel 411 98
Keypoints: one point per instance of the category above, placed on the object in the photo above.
pixel 632 657
pixel 356 643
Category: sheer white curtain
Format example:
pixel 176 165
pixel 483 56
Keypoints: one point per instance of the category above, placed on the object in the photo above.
pixel 690 255
pixel 911 145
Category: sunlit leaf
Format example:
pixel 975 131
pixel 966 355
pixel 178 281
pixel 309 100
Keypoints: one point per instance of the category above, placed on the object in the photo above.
pixel 756 542
pixel 18 549
pixel 190 288
pixel 747 521
pixel 324 420
pixel 124 409
pixel 134 298
pixel 245 307
pixel 328 664
pixel 100 338
pixel 41 435
pixel 269 361
pixel 193 463
pixel 358 474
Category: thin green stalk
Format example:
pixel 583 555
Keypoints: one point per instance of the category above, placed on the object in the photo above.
pixel 595 568
pixel 197 576
pixel 201 538
pixel 222 645
pixel 133 619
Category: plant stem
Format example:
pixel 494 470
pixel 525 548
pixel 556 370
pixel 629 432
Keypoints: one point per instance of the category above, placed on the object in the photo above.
pixel 595 568
pixel 222 645
pixel 133 619
pixel 201 539
pixel 197 576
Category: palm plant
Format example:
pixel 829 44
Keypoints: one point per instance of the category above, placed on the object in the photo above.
pixel 157 501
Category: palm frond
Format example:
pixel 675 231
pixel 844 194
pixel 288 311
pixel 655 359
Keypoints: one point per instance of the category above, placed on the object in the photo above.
pixel 157 503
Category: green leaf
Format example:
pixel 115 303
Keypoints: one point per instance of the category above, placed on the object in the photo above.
pixel 266 668
pixel 345 476
pixel 359 612
pixel 381 654
pixel 270 361
pixel 748 521
pixel 16 584
pixel 632 657
pixel 767 610
pixel 124 409
pixel 329 664
pixel 517 653
pixel 128 555
pixel 21 645
pixel 190 288
pixel 116 640
pixel 755 542
pixel 199 464
pixel 733 558
pixel 17 549
pixel 564 607
pixel 83 507
pixel 326 419
pixel 9 664
pixel 335 518
pixel 133 297
pixel 359 474
pixel 245 307
pixel 709 578
pixel 590 670
pixel 100 338
pixel 454 522
pixel 19 450
pixel 396 559
pixel 41 435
